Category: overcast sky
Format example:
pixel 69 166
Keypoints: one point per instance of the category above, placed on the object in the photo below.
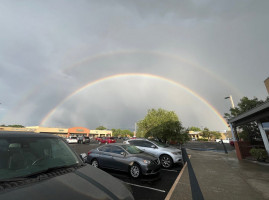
pixel 184 56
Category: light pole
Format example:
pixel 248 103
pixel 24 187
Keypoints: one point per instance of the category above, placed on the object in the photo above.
pixel 231 99
pixel 232 102
pixel 135 131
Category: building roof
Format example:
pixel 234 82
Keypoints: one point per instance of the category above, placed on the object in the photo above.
pixel 259 113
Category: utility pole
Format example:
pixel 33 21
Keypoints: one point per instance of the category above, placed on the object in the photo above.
pixel 135 131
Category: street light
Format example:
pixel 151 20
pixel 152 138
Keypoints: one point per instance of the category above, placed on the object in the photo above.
pixel 232 102
pixel 231 99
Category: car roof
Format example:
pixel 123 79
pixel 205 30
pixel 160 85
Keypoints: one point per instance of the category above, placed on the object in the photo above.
pixel 115 144
pixel 25 134
pixel 138 139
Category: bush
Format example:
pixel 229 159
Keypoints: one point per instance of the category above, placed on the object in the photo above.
pixel 259 154
pixel 202 139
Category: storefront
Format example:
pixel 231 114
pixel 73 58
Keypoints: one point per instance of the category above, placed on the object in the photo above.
pixel 78 131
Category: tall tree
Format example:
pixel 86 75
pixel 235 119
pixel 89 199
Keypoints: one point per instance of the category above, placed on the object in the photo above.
pixel 249 130
pixel 122 133
pixel 206 133
pixel 161 124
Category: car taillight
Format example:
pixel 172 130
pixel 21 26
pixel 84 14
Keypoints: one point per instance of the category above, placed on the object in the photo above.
pixel 89 153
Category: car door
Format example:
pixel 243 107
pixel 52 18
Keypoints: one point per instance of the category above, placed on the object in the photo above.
pixel 146 146
pixel 105 158
pixel 150 148
pixel 120 161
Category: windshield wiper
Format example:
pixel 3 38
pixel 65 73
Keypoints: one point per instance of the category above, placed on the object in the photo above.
pixel 13 179
pixel 54 168
pixel 36 174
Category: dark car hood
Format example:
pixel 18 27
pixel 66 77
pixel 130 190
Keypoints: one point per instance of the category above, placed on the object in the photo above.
pixel 84 183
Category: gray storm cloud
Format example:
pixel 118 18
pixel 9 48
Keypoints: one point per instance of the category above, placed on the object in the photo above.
pixel 51 49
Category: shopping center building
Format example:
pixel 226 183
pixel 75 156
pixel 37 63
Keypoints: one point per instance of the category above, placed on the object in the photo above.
pixel 63 132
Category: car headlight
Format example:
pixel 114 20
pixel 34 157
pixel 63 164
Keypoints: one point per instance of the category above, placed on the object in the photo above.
pixel 146 161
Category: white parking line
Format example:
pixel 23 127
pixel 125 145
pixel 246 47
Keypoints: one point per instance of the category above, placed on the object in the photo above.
pixel 145 187
pixel 170 170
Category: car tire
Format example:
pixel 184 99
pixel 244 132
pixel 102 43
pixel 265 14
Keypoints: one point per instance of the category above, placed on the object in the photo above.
pixel 95 163
pixel 166 161
pixel 135 171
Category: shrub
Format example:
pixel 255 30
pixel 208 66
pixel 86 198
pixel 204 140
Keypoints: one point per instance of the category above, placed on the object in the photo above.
pixel 259 154
pixel 202 139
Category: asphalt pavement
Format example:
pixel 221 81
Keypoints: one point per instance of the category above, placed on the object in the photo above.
pixel 146 187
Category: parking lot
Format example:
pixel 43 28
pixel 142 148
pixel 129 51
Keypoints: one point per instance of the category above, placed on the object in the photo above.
pixel 145 187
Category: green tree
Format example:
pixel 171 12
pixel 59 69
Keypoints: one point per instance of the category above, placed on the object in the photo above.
pixel 206 133
pixel 193 128
pixel 101 128
pixel 122 133
pixel 14 125
pixel 249 130
pixel 216 135
pixel 161 124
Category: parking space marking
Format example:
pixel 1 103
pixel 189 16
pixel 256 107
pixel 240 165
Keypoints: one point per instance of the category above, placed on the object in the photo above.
pixel 145 187
pixel 168 196
pixel 170 170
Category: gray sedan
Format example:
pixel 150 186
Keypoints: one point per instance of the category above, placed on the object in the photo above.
pixel 124 157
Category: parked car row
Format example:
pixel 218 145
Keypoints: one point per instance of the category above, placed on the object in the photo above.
pixel 137 157
pixel 78 139
pixel 106 140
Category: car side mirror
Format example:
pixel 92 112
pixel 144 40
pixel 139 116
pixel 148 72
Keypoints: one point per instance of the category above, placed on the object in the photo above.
pixel 153 146
pixel 123 153
pixel 83 157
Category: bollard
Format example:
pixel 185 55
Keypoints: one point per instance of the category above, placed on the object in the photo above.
pixel 224 146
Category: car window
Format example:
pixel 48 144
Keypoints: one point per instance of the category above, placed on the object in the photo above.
pixel 136 143
pixel 104 148
pixel 132 149
pixel 160 144
pixel 115 149
pixel 25 156
pixel 146 144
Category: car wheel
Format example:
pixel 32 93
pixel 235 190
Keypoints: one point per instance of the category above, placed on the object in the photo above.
pixel 95 163
pixel 106 142
pixel 135 171
pixel 99 142
pixel 166 161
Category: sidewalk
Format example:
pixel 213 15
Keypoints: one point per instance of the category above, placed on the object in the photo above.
pixel 223 176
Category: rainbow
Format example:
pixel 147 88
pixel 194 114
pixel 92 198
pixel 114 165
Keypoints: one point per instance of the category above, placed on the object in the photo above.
pixel 155 53
pixel 127 52
pixel 92 83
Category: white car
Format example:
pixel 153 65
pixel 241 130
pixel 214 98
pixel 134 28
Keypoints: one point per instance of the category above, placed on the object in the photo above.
pixel 224 141
pixel 72 140
pixel 168 155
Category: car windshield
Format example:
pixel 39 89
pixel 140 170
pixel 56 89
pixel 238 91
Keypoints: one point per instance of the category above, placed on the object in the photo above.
pixel 160 144
pixel 22 157
pixel 132 149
